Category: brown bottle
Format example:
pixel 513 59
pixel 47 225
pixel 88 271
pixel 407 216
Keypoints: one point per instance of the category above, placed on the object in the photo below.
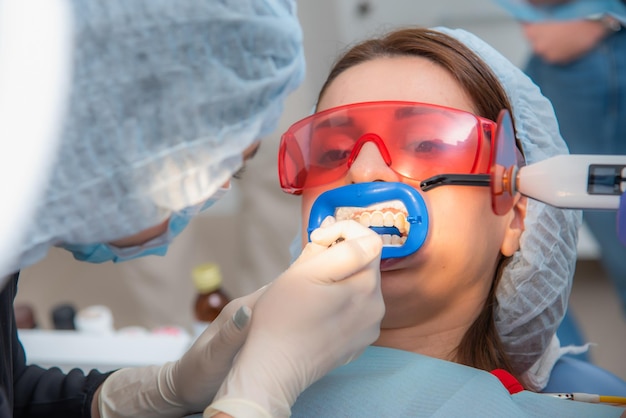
pixel 210 299
pixel 24 316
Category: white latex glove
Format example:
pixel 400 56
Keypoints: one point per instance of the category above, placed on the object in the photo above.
pixel 319 314
pixel 188 384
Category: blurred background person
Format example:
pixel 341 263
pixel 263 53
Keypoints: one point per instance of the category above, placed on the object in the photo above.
pixel 578 58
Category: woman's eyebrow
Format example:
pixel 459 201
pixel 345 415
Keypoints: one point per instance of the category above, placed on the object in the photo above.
pixel 410 111
pixel 334 121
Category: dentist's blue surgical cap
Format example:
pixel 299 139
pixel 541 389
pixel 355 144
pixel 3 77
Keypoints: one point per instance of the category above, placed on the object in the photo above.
pixel 165 96
pixel 535 286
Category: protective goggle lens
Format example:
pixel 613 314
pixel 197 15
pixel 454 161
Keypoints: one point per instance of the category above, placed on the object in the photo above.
pixel 432 144
pixel 416 140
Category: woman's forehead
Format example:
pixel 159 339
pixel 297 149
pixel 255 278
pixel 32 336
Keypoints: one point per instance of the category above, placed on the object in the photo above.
pixel 408 78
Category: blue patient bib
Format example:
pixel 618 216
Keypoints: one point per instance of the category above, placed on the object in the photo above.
pixel 385 382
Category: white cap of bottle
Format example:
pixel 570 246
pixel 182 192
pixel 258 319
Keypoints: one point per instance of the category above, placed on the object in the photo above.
pixel 95 319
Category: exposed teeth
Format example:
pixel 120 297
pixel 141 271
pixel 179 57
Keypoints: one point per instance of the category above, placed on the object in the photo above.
pixel 392 240
pixel 386 239
pixel 377 218
pixel 400 222
pixel 344 213
pixel 381 214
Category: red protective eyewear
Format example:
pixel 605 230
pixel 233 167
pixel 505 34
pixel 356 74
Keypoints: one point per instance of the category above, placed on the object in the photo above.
pixel 435 145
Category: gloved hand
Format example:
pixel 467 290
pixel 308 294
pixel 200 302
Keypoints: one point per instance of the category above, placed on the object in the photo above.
pixel 319 314
pixel 188 384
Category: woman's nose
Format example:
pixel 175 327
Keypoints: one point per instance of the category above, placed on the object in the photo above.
pixel 369 165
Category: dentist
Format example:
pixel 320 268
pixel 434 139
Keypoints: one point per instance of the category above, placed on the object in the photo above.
pixel 166 102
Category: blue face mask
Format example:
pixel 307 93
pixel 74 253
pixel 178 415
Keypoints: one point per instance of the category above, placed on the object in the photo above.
pixel 101 252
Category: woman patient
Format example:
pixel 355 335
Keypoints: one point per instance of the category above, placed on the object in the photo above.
pixel 484 290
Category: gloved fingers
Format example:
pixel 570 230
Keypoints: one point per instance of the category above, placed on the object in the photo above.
pixel 328 221
pixel 152 394
pixel 212 353
pixel 312 248
pixel 229 337
pixel 346 230
pixel 332 232
pixel 232 307
pixel 356 354
pixel 196 377
pixel 360 248
pixel 302 314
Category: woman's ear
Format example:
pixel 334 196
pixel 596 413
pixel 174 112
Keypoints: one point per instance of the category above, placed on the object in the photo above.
pixel 514 229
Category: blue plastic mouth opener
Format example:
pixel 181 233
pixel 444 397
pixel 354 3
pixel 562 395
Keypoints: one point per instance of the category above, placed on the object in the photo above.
pixel 363 195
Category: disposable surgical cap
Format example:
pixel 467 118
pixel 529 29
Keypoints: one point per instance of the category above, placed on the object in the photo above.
pixel 165 96
pixel 535 286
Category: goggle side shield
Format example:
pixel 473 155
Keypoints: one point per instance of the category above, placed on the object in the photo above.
pixel 506 162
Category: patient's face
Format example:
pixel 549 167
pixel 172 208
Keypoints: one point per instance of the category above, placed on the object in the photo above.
pixel 453 270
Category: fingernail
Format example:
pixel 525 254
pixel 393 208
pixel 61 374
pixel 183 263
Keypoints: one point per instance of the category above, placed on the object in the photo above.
pixel 241 317
pixel 329 220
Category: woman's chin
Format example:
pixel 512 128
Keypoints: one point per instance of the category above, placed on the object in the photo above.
pixel 399 263
pixel 391 263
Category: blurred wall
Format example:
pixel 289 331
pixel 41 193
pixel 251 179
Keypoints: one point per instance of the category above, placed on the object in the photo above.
pixel 248 233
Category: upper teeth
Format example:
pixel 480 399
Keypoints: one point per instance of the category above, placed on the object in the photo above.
pixel 381 214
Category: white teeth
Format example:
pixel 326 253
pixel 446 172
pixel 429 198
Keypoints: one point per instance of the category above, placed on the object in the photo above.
pixel 377 218
pixel 393 240
pixel 386 214
pixel 365 219
pixel 343 213
pixel 401 223
pixel 388 219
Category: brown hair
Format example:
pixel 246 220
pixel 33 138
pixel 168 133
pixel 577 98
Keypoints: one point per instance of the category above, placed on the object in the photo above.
pixel 468 69
pixel 481 346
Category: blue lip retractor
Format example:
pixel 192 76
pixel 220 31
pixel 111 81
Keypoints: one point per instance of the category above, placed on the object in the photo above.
pixel 367 194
